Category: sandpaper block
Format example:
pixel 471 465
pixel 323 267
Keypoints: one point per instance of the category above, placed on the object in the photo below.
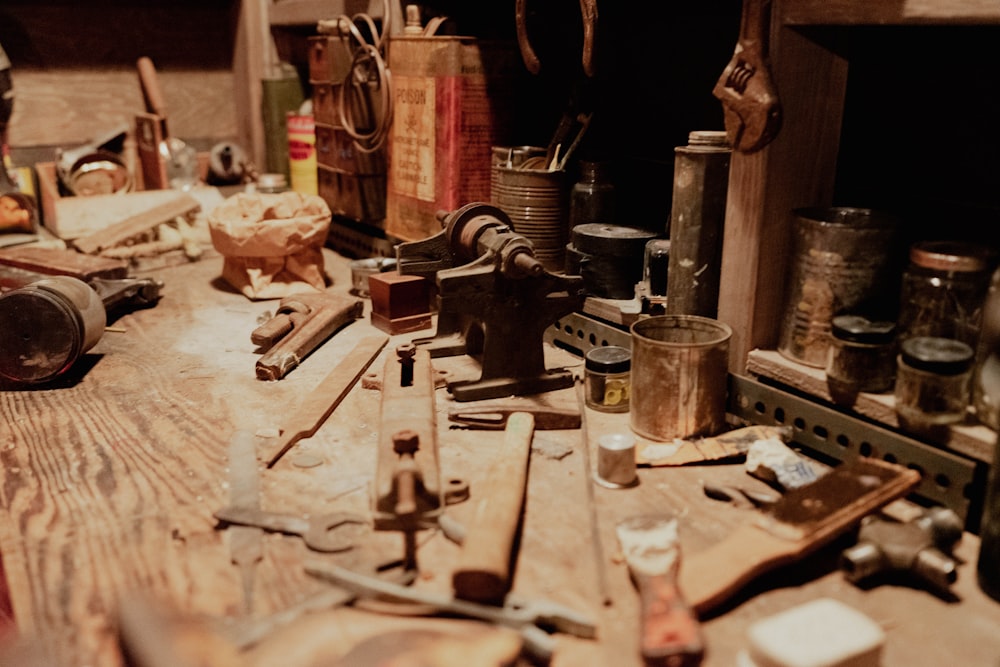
pixel 802 521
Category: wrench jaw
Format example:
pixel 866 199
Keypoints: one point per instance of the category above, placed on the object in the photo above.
pixel 751 109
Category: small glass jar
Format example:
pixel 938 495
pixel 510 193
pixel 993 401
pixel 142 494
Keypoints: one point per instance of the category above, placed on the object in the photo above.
pixel 943 291
pixel 862 357
pixel 592 198
pixel 932 382
pixel 608 382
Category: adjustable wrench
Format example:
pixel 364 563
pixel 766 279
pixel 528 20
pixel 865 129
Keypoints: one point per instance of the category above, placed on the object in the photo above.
pixel 752 111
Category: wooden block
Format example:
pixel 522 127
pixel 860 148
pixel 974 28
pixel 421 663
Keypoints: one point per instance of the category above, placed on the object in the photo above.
pixel 55 261
pixel 400 303
pixel 179 204
pixel 70 218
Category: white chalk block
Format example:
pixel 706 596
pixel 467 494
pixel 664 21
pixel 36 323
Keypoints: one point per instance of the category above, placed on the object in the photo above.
pixel 821 633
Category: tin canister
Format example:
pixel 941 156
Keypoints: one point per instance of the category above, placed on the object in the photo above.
pixel 844 260
pixel 537 201
pixel 302 153
pixel 679 375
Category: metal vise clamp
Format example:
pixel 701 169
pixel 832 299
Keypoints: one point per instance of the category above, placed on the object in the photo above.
pixel 495 301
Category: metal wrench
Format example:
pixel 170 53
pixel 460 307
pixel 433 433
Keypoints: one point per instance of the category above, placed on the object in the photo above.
pixel 317 532
pixel 534 619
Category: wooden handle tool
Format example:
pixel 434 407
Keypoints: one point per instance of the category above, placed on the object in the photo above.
pixel 484 568
pixel 802 521
pixel 669 632
pixel 152 94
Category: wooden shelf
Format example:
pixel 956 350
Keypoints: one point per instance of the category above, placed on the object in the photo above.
pixel 973 440
pixel 904 12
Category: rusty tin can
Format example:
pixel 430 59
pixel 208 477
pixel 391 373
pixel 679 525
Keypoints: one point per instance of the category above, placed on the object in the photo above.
pixel 679 374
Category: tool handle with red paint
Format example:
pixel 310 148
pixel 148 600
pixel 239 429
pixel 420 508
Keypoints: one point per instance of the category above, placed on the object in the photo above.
pixel 484 569
pixel 669 632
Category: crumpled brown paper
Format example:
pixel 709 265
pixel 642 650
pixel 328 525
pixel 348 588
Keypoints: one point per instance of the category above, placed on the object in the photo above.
pixel 272 244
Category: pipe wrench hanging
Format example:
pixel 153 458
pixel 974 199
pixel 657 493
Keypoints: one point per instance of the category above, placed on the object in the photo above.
pixel 588 10
pixel 751 108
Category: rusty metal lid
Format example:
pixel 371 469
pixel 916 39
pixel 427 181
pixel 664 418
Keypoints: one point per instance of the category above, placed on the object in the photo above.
pixel 943 356
pixel 950 256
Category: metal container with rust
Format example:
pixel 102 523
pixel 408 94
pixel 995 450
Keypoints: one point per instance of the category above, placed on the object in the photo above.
pixel 679 374
pixel 844 261
pixel 537 201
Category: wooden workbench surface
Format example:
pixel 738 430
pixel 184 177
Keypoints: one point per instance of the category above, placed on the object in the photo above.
pixel 109 479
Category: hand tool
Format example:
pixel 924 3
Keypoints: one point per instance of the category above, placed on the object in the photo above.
pixel 494 417
pixel 177 154
pixel 246 544
pixel 502 295
pixel 302 323
pixel 801 522
pixel 51 320
pixel 141 223
pixel 597 548
pixel 484 567
pixel 534 619
pixel 751 109
pixel 408 489
pixel 318 532
pixel 315 409
pixel 588 10
pixel 246 633
pixel 669 632
pixel 922 547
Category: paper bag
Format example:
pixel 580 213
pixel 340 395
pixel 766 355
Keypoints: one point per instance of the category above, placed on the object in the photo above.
pixel 272 243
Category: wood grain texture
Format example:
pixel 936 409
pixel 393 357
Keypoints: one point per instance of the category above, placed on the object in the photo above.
pixel 900 12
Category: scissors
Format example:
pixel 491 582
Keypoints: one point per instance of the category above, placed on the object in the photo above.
pixel 318 532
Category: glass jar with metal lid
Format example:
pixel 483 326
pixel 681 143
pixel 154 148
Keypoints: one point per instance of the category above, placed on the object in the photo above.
pixel 608 370
pixel 932 382
pixel 943 291
pixel 862 357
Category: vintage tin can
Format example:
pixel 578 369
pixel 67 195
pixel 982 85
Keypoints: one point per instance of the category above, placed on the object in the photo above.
pixel 679 376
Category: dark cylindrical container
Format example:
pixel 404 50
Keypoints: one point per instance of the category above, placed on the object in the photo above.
pixel 592 199
pixel 609 258
pixel 843 261
pixel 697 216
pixel 932 383
pixel 862 357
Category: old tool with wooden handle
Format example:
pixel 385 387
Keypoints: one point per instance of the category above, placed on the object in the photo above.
pixel 484 567
pixel 801 522
pixel 752 111
pixel 669 632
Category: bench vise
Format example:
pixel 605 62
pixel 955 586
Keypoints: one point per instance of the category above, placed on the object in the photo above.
pixel 495 301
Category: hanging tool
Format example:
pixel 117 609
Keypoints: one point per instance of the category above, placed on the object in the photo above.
pixel 497 306
pixel 588 10
pixel 302 323
pixel 534 619
pixel 246 543
pixel 752 111
pixel 669 632
pixel 485 567
pixel 802 521
pixel 324 399
pixel 408 495
pixel 318 532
